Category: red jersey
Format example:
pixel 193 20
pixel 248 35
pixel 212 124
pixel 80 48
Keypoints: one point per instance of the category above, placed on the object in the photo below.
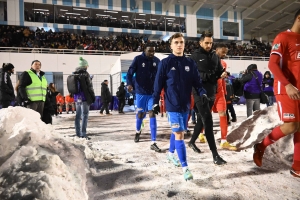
pixel 287 46
pixel 221 89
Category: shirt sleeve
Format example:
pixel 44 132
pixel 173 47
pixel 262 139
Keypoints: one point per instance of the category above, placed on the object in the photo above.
pixel 160 79
pixel 131 71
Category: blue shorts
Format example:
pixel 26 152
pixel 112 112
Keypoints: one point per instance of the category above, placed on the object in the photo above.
pixel 178 121
pixel 144 103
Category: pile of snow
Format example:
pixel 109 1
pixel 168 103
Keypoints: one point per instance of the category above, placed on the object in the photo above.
pixel 252 130
pixel 36 162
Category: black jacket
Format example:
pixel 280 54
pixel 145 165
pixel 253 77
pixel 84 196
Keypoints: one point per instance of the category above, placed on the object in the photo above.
pixel 86 85
pixel 210 69
pixel 121 92
pixel 6 87
pixel 105 93
pixel 25 80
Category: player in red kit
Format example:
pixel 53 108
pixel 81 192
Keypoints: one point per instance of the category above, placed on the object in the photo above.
pixel 284 63
pixel 220 102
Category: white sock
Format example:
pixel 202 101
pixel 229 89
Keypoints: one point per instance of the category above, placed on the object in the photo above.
pixel 153 142
pixel 138 131
pixel 184 168
pixel 171 154
pixel 223 141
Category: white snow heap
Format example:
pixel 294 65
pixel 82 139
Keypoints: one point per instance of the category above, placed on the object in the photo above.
pixel 35 162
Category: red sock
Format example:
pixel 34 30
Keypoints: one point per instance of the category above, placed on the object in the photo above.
pixel 224 127
pixel 296 163
pixel 275 135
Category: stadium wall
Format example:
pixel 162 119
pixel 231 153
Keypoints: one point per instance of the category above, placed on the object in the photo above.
pixel 16 15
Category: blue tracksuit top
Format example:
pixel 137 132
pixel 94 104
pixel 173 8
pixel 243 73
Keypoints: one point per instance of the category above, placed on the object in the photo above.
pixel 145 70
pixel 177 75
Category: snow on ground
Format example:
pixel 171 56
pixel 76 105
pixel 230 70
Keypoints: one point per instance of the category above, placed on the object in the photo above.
pixel 47 162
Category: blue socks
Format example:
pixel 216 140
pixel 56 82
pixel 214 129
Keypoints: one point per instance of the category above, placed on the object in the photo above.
pixel 181 152
pixel 138 123
pixel 172 143
pixel 153 128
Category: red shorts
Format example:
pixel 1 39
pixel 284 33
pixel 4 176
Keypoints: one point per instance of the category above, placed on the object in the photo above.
pixel 220 104
pixel 288 109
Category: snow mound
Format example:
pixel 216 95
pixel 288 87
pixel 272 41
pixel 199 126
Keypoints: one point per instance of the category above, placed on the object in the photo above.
pixel 252 130
pixel 36 162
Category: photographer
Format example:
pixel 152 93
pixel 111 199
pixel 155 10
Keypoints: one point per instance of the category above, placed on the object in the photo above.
pixel 252 88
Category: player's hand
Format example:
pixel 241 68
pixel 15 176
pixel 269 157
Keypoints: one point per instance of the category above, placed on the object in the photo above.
pixel 292 92
pixel 223 75
pixel 156 109
pixel 129 88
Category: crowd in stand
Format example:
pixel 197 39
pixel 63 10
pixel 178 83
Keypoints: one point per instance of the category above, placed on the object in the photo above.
pixel 16 36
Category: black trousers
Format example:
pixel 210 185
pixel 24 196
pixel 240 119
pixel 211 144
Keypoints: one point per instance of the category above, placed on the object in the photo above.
pixel 230 108
pixel 204 119
pixel 121 105
pixel 104 106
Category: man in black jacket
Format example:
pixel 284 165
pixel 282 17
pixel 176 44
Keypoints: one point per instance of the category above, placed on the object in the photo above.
pixel 210 69
pixel 7 94
pixel 105 97
pixel 121 93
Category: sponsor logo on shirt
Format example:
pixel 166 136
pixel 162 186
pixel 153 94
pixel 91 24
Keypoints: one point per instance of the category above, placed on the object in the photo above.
pixel 143 65
pixel 187 68
pixel 276 46
pixel 288 116
pixel 297 55
pixel 201 60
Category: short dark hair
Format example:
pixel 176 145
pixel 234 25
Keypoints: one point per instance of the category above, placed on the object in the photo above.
pixel 149 45
pixel 176 35
pixel 35 61
pixel 296 15
pixel 221 45
pixel 205 34
pixel 105 80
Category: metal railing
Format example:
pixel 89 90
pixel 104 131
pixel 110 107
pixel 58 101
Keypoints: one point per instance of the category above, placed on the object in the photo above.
pixel 103 52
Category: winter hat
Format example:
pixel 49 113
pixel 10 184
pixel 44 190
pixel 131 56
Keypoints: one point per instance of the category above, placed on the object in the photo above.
pixel 8 66
pixel 252 67
pixel 83 63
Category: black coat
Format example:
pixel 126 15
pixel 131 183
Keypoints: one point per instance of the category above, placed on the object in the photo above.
pixel 105 93
pixel 49 108
pixel 210 69
pixel 121 92
pixel 6 88
pixel 25 80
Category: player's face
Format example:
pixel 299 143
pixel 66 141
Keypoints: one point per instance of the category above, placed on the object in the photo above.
pixel 150 51
pixel 206 44
pixel 222 52
pixel 177 46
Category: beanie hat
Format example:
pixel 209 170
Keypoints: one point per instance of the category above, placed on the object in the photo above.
pixel 8 66
pixel 82 63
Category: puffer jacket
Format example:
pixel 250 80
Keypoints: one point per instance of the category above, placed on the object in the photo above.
pixel 6 87
pixel 252 89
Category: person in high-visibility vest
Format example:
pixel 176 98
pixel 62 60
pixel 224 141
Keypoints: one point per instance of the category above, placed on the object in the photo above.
pixel 33 87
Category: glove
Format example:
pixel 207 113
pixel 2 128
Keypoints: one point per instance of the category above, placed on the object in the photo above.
pixel 26 102
pixel 156 109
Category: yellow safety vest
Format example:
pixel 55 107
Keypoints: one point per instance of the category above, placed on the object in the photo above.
pixel 37 90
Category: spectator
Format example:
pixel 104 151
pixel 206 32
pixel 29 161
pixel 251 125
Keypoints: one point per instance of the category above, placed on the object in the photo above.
pixel 121 93
pixel 267 85
pixel 51 90
pixel 7 94
pixel 105 97
pixel 60 102
pixel 252 89
pixel 70 102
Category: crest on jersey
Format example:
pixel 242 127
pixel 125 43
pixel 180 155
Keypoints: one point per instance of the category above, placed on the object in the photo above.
pixel 187 68
pixel 154 64
pixel 143 65
pixel 276 46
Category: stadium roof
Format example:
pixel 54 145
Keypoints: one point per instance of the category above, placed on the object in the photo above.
pixel 261 17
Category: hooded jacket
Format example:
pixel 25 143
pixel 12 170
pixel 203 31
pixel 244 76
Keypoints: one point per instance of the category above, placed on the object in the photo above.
pixel 210 69
pixel 121 91
pixel 252 89
pixel 267 84
pixel 85 85
pixel 177 75
pixel 145 70
pixel 105 93
pixel 6 87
